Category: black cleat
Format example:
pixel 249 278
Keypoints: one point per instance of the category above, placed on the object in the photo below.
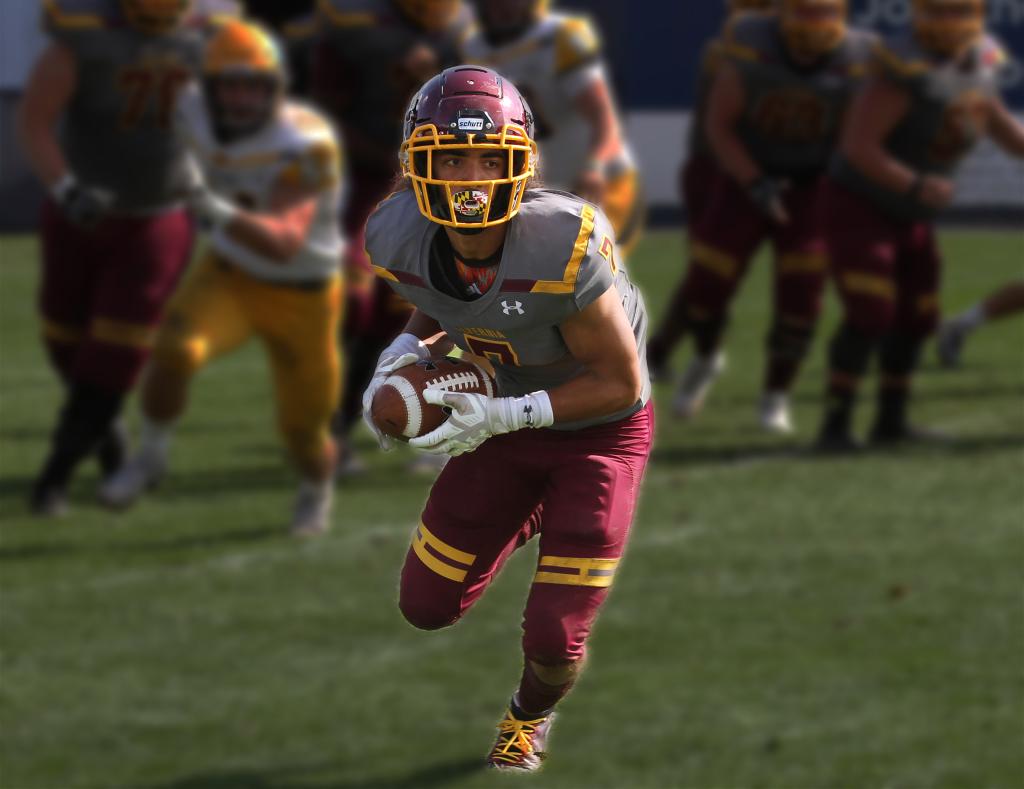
pixel 832 442
pixel 898 435
pixel 48 501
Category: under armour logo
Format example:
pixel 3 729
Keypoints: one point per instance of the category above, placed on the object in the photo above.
pixel 528 414
pixel 515 306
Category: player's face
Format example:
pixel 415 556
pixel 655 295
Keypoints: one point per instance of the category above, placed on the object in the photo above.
pixel 504 16
pixel 466 164
pixel 243 102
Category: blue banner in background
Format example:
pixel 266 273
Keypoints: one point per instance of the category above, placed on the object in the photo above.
pixel 654 47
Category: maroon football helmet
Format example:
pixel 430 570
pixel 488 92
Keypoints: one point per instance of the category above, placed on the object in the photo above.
pixel 468 107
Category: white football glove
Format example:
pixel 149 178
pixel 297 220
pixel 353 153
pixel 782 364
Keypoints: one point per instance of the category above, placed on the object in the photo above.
pixel 206 205
pixel 405 350
pixel 477 417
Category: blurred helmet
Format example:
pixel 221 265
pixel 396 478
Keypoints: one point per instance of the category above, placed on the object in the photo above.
pixel 947 26
pixel 505 19
pixel 156 17
pixel 738 6
pixel 468 107
pixel 813 28
pixel 430 14
pixel 244 78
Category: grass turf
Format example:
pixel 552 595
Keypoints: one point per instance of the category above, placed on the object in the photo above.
pixel 781 620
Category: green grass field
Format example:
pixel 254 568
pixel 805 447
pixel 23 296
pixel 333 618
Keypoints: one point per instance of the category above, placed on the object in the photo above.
pixel 781 620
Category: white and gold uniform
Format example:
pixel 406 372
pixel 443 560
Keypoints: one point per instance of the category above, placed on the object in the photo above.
pixel 233 294
pixel 552 63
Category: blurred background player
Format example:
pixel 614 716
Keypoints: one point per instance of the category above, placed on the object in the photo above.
pixel 935 94
pixel 773 115
pixel 529 278
pixel 554 59
pixel 700 168
pixel 369 58
pixel 270 198
pixel 1008 300
pixel 114 234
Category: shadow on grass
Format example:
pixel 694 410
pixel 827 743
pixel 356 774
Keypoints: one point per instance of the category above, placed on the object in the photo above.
pixel 739 454
pixel 436 775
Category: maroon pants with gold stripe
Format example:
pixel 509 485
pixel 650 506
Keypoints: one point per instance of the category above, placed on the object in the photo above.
pixel 576 489
pixel 103 291
pixel 727 233
pixel 887 271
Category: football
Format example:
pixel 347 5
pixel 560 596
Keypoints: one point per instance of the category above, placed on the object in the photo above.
pixel 399 410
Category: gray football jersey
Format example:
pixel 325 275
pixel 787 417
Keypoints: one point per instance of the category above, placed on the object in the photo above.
pixel 559 257
pixel 790 123
pixel 945 119
pixel 118 127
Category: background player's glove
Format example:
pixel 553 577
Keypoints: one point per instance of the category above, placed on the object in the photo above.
pixel 209 207
pixel 477 417
pixel 405 350
pixel 766 194
pixel 85 206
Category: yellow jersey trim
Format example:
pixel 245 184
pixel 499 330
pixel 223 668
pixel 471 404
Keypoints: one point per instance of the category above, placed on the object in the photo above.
pixel 425 537
pixel 133 335
pixel 588 572
pixel 380 271
pixel 345 19
pixel 572 271
pixel 70 21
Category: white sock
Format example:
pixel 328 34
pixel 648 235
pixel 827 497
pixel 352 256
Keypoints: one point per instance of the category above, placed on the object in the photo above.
pixel 155 438
pixel 972 318
pixel 317 487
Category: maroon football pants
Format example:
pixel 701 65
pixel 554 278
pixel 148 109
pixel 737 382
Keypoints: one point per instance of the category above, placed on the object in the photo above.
pixel 576 489
pixel 886 271
pixel 103 291
pixel 727 229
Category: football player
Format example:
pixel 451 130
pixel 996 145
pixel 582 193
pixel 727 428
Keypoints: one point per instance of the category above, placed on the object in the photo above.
pixel 934 94
pixel 369 57
pixel 698 171
pixel 530 279
pixel 267 186
pixel 554 60
pixel 114 233
pixel 1008 300
pixel 773 116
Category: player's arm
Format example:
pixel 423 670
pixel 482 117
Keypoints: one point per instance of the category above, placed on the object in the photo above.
pixel 874 114
pixel 429 332
pixel 600 337
pixel 594 104
pixel 281 232
pixel 1004 129
pixel 49 89
pixel 725 108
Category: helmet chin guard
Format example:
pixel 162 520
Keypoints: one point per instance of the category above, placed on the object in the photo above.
pixel 468 108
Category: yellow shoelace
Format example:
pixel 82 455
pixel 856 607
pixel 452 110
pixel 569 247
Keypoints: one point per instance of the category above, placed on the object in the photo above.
pixel 515 735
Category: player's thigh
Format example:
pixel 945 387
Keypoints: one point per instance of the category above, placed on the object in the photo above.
pixel 203 319
pixel 862 247
pixel 587 515
pixel 299 329
pixel 918 277
pixel 801 257
pixel 724 239
pixel 68 275
pixel 148 257
pixel 479 510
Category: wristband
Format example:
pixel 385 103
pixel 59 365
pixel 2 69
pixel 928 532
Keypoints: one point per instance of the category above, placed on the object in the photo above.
pixel 532 410
pixel 63 187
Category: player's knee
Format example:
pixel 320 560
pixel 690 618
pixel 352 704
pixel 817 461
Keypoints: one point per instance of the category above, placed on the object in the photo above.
pixel 426 613
pixel 306 443
pixel 551 645
pixel 181 359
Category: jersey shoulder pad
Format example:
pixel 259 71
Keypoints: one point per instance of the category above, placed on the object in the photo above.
pixel 394 233
pixel 901 59
pixel 567 246
pixel 576 42
pixel 750 36
pixel 349 13
pixel 75 21
pixel 992 54
pixel 213 13
pixel 312 150
pixel 858 52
